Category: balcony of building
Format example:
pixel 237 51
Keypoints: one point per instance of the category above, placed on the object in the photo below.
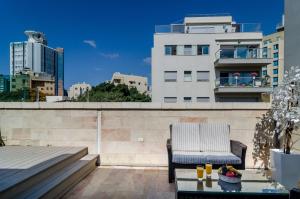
pixel 242 56
pixel 215 28
pixel 238 84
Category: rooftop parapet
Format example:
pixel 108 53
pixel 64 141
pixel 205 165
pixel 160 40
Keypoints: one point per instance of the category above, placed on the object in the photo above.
pixel 36 37
pixel 208 24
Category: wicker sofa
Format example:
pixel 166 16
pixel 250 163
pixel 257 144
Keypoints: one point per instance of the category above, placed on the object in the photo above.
pixel 193 144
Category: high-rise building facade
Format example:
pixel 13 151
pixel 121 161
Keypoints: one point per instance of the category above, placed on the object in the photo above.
pixel 34 55
pixel 275 70
pixel 209 59
pixel 59 72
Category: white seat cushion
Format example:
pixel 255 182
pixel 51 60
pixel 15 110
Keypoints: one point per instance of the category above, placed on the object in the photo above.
pixel 185 137
pixel 214 137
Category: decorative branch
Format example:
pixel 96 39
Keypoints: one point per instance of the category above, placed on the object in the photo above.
pixel 286 108
pixel 280 122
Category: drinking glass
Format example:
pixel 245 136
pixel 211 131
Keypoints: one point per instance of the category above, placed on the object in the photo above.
pixel 208 168
pixel 200 171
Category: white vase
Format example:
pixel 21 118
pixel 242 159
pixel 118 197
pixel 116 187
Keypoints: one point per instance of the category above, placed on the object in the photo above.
pixel 285 168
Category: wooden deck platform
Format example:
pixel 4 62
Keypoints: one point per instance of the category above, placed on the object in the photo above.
pixel 26 169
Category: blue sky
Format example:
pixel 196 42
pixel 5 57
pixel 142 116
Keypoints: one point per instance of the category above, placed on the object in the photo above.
pixel 101 37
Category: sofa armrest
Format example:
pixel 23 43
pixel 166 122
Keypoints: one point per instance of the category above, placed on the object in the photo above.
pixel 170 163
pixel 239 149
pixel 169 146
pixel 294 193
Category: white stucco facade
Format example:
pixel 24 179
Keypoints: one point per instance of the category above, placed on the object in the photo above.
pixel 214 33
pixel 78 89
pixel 132 81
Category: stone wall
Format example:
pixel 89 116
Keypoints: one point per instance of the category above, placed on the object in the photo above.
pixel 132 134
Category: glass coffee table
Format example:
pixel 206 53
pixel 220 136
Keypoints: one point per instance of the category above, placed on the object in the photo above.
pixel 253 185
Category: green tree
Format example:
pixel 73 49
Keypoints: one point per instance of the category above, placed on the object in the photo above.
pixel 15 96
pixel 108 92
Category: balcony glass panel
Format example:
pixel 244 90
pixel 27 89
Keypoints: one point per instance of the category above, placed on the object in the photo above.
pixel 242 53
pixel 242 82
pixel 227 53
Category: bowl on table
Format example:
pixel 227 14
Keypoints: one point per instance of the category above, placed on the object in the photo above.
pixel 229 174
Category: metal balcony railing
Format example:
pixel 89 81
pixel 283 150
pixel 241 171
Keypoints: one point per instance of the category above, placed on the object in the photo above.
pixel 239 82
pixel 243 53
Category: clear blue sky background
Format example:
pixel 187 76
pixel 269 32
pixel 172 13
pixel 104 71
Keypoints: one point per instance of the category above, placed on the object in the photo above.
pixel 122 29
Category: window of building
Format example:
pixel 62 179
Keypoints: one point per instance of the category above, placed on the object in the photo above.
pixel 13 86
pixel 267 41
pixel 202 99
pixel 187 99
pixel 264 72
pixel 170 99
pixel 275 55
pixel 275 47
pixel 275 63
pixel 187 76
pixel 117 81
pixel 275 71
pixel 170 50
pixel 202 49
pixel 188 50
pixel 170 76
pixel 265 52
pixel 275 79
pixel 202 76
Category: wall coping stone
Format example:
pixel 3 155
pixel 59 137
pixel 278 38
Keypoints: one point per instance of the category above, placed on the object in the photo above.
pixel 131 106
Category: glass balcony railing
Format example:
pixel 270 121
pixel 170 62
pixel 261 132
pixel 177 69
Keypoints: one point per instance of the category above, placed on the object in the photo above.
pixel 243 53
pixel 181 28
pixel 173 28
pixel 242 82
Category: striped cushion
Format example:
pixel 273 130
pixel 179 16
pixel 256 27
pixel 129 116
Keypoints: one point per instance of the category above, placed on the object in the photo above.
pixel 191 157
pixel 185 137
pixel 214 137
pixel 188 157
pixel 223 158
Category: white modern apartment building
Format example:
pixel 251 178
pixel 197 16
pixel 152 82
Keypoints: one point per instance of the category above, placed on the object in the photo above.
pixel 275 43
pixel 34 55
pixel 132 81
pixel 78 89
pixel 209 59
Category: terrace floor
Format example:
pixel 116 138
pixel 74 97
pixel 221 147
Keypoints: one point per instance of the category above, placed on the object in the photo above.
pixel 118 182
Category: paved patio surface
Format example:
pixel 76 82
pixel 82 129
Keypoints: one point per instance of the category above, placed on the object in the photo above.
pixel 124 183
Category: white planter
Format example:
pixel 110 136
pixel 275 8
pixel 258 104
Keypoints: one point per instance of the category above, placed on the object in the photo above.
pixel 285 168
